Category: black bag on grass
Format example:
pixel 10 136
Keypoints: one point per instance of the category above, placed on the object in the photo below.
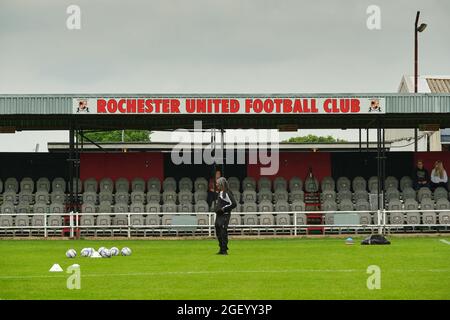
pixel 376 239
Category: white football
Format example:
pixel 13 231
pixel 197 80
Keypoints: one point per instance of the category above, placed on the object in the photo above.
pixel 101 249
pixel 105 253
pixel 114 251
pixel 125 251
pixel 71 253
pixel 87 252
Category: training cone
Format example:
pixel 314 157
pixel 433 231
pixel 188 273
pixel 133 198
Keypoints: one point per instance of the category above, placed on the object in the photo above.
pixel 56 268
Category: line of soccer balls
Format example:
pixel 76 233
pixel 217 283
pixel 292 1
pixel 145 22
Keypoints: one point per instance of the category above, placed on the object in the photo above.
pixel 102 252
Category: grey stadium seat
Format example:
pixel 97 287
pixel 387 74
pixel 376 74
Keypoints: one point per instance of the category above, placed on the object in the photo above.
pixel 202 219
pixel 311 184
pixel 120 219
pixel 185 196
pixel 264 183
pixel 265 206
pixel 106 185
pixel 391 182
pixel 406 182
pixel 80 185
pixel 25 197
pixel 279 183
pixel 201 195
pixel 249 196
pixel 57 197
pixel 296 195
pixel 27 184
pixel 201 184
pixel 123 185
pixel 137 207
pixel 40 208
pixel 412 217
pixel 8 208
pixel 234 184
pixel 9 197
pixel 423 193
pixel 444 217
pixel 373 184
pixel 301 219
pixel 153 207
pixel 264 195
pixel 343 184
pixel 409 193
pixel 360 195
pixel 87 220
pixel 185 183
pixel 327 184
pixel 280 195
pixel 249 207
pixel 440 193
pixel 137 197
pixel 186 208
pixel 329 206
pixel 201 206
pixel 248 183
pixel 396 217
pixel 346 206
pixel 283 219
pixel 43 184
pixel 392 194
pixel 122 197
pixel 59 184
pixel 169 184
pixel 328 195
pixel 235 220
pixel 11 184
pixel 428 217
pixel 295 183
pixel 105 207
pixel 38 220
pixel 153 195
pixel 6 221
pixel 90 185
pixel 137 219
pixel 88 208
pixel 169 207
pixel 359 183
pixel 55 220
pixel 167 219
pixel 250 219
pixel 23 208
pixel 169 196
pixel 152 219
pixel 103 220
pixel 138 184
pixel 41 196
pixel 90 197
pixel 282 206
pixel 104 196
pixel 154 184
pixel 56 208
pixel 266 219
pixel 22 220
pixel 365 218
pixel 298 206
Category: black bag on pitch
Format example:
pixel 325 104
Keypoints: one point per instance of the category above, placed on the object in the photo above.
pixel 376 239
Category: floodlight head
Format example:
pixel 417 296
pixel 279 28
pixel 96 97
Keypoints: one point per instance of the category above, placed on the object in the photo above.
pixel 422 27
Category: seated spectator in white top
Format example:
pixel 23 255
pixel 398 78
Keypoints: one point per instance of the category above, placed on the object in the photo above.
pixel 439 176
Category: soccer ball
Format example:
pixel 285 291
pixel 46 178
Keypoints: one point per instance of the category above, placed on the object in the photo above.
pixel 126 251
pixel 101 249
pixel 105 253
pixel 71 253
pixel 87 252
pixel 114 251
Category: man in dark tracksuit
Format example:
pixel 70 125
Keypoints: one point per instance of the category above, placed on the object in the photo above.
pixel 225 203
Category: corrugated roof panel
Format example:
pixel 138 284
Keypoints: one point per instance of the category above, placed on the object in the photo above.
pixel 439 85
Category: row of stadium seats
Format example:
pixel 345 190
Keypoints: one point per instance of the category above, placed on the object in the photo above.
pixel 311 184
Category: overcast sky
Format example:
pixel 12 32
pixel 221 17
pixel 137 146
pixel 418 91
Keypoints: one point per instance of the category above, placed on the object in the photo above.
pixel 211 46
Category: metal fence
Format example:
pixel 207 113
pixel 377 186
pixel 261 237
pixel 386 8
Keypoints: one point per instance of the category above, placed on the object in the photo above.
pixel 72 226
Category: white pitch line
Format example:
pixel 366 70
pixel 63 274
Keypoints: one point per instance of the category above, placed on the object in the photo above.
pixel 444 241
pixel 211 272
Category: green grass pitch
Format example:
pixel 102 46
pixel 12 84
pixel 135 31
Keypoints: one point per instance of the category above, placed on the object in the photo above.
pixel 325 268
